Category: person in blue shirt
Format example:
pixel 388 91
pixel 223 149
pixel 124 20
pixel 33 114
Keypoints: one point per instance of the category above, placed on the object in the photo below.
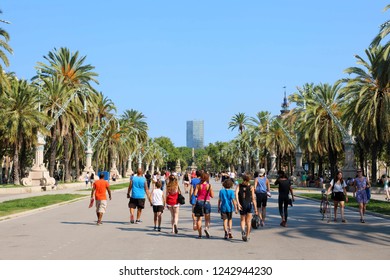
pixel 226 204
pixel 138 188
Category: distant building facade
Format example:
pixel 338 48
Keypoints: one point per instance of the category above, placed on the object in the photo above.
pixel 195 134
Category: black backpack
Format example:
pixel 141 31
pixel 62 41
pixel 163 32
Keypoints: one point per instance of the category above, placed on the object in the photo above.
pixel 255 221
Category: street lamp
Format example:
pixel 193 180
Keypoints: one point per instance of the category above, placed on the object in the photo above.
pixel 39 175
pixel 90 143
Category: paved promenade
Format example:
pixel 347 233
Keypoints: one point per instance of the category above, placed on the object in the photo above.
pixel 68 232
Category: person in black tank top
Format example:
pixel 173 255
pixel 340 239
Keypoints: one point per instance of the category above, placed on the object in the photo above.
pixel 245 196
pixel 284 189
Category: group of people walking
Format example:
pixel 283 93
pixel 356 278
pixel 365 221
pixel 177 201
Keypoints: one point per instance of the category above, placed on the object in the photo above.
pixel 243 198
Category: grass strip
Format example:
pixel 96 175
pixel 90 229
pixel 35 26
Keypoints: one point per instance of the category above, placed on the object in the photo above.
pixel 112 187
pixel 20 205
pixel 376 206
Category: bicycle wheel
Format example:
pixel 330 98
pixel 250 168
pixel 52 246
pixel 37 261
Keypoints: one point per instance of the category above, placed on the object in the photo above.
pixel 328 211
pixel 323 209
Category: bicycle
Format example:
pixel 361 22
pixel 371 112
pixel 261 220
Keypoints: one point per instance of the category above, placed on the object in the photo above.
pixel 325 206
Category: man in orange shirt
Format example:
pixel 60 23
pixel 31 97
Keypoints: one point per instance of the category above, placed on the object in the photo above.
pixel 100 187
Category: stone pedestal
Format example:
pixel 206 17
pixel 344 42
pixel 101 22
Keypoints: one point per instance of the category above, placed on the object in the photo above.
pixel 178 167
pixel 39 176
pixel 88 165
pixel 298 162
pixel 349 169
pixel 273 173
pixel 193 166
pixel 114 170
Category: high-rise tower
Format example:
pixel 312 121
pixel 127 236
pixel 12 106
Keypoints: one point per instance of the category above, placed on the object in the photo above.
pixel 195 134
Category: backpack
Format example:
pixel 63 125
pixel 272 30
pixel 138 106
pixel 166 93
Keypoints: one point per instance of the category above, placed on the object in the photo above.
pixel 255 221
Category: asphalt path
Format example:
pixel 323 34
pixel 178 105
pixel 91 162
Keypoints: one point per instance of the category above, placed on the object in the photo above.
pixel 69 232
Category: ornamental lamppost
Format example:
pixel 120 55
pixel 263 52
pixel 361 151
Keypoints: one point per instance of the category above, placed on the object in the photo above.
pixel 90 143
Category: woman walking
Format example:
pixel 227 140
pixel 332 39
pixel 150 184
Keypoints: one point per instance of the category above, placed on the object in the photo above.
pixel 284 189
pixel 246 201
pixel 361 184
pixel 339 187
pixel 171 201
pixel 203 192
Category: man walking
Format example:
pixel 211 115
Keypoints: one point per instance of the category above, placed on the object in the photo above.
pixel 262 191
pixel 99 191
pixel 138 188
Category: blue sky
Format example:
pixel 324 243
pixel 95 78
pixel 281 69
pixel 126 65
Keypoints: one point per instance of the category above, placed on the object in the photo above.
pixel 206 60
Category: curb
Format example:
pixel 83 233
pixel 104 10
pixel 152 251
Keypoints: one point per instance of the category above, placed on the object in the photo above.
pixel 29 212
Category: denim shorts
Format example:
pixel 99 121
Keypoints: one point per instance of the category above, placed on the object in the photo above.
pixel 206 208
pixel 246 209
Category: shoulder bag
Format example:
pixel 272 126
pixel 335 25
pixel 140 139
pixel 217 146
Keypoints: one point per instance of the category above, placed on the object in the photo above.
pixel 180 198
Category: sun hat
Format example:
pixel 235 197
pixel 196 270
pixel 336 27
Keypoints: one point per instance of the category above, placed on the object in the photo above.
pixel 261 171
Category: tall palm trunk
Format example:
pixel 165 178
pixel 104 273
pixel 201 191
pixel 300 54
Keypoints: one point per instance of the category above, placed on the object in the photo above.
pixel 53 151
pixel 67 158
pixel 23 158
pixel 320 165
pixel 374 158
pixel 16 166
pixel 75 153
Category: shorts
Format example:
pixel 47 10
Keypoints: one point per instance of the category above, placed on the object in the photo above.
pixel 226 215
pixel 158 208
pixel 199 205
pixel 137 203
pixel 246 209
pixel 101 206
pixel 339 196
pixel 261 199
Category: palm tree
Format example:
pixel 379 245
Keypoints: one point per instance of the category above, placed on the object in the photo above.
pixel 260 125
pixel 135 125
pixel 63 63
pixel 56 94
pixel 318 131
pixel 367 101
pixel 239 121
pixel 66 72
pixel 4 47
pixel 21 119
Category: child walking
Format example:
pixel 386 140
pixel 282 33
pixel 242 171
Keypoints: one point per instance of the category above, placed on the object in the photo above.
pixel 226 203
pixel 158 203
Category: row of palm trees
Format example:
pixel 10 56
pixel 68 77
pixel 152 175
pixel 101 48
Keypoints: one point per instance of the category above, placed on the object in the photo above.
pixel 61 102
pixel 361 102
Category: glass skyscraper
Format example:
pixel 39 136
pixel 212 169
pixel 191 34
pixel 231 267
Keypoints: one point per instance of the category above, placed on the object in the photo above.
pixel 195 134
